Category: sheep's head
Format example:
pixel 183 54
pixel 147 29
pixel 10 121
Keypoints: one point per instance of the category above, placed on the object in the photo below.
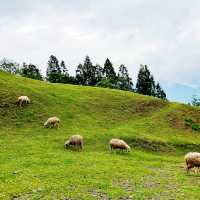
pixel 66 145
pixel 45 124
pixel 128 148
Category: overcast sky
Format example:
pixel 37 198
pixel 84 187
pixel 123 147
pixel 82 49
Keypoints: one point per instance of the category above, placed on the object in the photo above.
pixel 165 35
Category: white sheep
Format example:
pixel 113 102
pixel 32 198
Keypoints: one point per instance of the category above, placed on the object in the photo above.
pixel 23 100
pixel 119 144
pixel 192 159
pixel 52 122
pixel 75 141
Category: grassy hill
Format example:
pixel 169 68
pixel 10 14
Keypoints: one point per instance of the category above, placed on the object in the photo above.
pixel 35 165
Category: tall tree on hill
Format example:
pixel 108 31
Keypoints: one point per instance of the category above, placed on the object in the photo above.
pixel 9 66
pixel 53 70
pixel 123 80
pixel 63 68
pixel 159 92
pixel 80 75
pixel 98 73
pixel 30 71
pixel 64 77
pixel 86 73
pixel 109 71
pixel 145 82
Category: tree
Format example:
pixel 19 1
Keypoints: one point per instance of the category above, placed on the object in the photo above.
pixel 63 68
pixel 109 71
pixel 53 70
pixel 64 77
pixel 98 73
pixel 9 66
pixel 145 82
pixel 124 82
pixel 79 75
pixel 195 100
pixel 87 74
pixel 159 92
pixel 30 71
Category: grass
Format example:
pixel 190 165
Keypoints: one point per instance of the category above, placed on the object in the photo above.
pixel 34 164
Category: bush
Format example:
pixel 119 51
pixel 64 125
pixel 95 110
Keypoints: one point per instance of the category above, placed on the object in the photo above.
pixel 106 83
pixel 196 127
pixel 188 121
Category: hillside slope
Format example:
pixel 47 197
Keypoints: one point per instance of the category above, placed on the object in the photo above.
pixel 34 164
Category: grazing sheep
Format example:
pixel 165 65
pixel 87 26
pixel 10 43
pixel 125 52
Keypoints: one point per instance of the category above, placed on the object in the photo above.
pixel 192 160
pixel 52 122
pixel 23 100
pixel 75 141
pixel 119 144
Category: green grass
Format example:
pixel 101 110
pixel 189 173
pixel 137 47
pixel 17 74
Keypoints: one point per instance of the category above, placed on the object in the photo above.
pixel 35 165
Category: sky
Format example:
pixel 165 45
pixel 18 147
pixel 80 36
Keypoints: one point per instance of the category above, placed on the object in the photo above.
pixel 165 35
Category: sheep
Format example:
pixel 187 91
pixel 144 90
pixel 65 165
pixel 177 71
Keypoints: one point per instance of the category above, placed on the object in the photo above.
pixel 119 144
pixel 192 160
pixel 52 122
pixel 75 141
pixel 23 100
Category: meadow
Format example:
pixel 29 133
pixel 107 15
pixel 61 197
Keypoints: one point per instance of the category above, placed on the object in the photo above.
pixel 35 165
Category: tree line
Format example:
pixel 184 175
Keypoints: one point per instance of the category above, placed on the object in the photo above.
pixel 89 74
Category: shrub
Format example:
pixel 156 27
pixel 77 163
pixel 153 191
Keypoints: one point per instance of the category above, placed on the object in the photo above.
pixel 196 127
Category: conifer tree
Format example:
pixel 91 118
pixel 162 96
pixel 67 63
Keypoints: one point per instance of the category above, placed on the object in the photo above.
pixel 109 71
pixel 159 92
pixel 145 82
pixel 123 80
pixel 53 70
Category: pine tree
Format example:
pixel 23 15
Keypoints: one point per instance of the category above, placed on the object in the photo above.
pixel 109 71
pixel 79 75
pixel 145 82
pixel 64 73
pixel 98 73
pixel 30 71
pixel 86 73
pixel 63 68
pixel 123 80
pixel 53 70
pixel 159 92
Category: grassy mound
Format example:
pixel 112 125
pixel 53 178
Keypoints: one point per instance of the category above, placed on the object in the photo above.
pixel 34 164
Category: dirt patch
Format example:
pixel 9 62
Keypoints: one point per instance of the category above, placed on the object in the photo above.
pixel 187 147
pixel 147 106
pixel 128 187
pixel 154 146
pixel 176 118
pixel 99 195
pixel 158 146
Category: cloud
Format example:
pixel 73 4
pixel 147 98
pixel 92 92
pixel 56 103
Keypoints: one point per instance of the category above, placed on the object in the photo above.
pixel 163 35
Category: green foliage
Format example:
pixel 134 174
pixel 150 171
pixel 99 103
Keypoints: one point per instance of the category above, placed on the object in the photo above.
pixel 188 121
pixel 109 71
pixel 88 74
pixel 53 70
pixel 191 123
pixel 195 101
pixel 30 71
pixel 146 84
pixel 159 92
pixel 106 83
pixel 196 127
pixel 124 82
pixel 9 66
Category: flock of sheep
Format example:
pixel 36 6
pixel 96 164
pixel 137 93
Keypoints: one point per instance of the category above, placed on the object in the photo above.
pixel 192 159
